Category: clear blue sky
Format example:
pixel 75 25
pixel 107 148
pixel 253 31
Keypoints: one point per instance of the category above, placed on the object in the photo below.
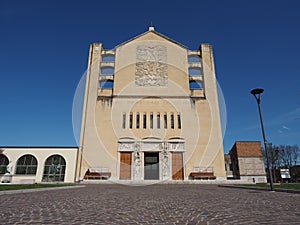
pixel 44 48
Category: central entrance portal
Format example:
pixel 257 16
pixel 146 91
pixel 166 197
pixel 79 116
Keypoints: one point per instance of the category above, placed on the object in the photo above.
pixel 151 165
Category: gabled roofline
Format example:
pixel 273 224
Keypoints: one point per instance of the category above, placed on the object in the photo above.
pixel 155 32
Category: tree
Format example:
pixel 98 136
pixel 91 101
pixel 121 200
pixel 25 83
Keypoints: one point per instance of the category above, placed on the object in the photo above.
pixel 284 156
pixel 295 154
pixel 289 155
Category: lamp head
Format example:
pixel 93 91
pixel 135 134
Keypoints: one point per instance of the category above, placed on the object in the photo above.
pixel 257 91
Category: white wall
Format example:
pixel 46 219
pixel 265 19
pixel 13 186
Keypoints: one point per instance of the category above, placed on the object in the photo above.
pixel 41 154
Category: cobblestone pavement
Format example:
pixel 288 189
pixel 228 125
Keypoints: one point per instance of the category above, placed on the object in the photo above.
pixel 153 204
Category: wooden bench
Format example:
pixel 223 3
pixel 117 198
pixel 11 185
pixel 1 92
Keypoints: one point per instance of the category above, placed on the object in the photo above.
pixel 97 174
pixel 202 175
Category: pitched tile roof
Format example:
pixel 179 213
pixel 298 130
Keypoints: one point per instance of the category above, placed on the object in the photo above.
pixel 248 148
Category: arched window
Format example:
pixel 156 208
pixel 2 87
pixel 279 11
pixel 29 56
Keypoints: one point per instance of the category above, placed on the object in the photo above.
pixel 3 163
pixel 54 170
pixel 27 164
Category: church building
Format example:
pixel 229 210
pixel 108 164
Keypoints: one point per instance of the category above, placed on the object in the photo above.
pixel 150 112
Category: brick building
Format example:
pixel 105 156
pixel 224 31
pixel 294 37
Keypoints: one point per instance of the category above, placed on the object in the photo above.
pixel 247 161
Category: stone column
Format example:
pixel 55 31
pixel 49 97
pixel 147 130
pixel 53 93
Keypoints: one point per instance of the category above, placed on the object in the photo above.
pixel 137 161
pixel 165 161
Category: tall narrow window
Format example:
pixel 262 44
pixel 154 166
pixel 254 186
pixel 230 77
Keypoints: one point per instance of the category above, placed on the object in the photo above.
pixel 165 121
pixel 124 121
pixel 172 121
pixel 151 121
pixel 179 121
pixel 137 121
pixel 130 120
pixel 144 121
pixel 158 121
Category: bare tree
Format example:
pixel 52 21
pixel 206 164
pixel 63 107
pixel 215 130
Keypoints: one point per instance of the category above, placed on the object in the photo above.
pixel 295 153
pixel 295 171
pixel 272 159
pixel 284 156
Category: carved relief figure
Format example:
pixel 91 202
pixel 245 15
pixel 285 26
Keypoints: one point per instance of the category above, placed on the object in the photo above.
pixel 137 161
pixel 151 66
pixel 165 163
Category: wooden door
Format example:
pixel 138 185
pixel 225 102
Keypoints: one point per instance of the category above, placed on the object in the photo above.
pixel 125 165
pixel 177 166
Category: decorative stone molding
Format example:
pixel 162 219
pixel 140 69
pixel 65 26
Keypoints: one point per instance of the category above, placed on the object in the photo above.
pixel 176 147
pixel 151 146
pixel 126 147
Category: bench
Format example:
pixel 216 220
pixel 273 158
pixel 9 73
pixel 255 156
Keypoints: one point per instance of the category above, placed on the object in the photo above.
pixel 202 173
pixel 101 173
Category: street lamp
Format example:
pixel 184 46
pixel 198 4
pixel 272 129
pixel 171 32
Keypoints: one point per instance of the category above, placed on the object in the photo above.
pixel 257 95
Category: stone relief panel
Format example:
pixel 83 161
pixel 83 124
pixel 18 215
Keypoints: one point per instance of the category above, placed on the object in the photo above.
pixel 151 66
pixel 125 147
pixel 151 146
pixel 176 147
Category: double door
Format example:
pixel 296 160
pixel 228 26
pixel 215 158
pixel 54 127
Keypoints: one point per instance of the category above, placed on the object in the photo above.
pixel 151 166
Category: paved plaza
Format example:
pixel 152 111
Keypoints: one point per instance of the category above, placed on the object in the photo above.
pixel 152 204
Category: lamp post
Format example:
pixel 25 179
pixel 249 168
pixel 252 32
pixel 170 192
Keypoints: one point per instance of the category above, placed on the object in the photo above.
pixel 257 95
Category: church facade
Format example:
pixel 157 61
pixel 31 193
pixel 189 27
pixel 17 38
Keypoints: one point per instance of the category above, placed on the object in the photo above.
pixel 150 112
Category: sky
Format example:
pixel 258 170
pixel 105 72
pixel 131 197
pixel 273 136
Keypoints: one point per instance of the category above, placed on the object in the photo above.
pixel 44 50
